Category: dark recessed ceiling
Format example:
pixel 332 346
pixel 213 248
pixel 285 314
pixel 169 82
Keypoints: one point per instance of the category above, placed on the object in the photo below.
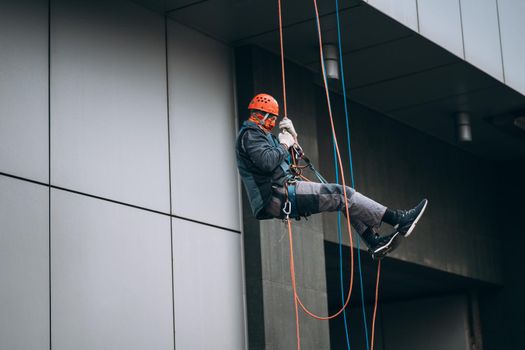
pixel 388 67
pixel 417 281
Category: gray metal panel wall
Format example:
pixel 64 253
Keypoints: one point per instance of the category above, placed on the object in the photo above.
pixel 108 91
pixel 404 11
pixel 24 89
pixel 481 35
pixel 511 14
pixel 202 125
pixel 24 268
pixel 486 33
pixel 208 287
pixel 111 279
pixel 110 275
pixel 433 15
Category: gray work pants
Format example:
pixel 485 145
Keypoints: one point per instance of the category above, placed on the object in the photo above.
pixel 313 198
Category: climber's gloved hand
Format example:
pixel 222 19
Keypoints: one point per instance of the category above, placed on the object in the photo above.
pixel 286 124
pixel 286 139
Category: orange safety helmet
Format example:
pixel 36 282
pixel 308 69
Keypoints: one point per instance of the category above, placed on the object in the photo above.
pixel 265 103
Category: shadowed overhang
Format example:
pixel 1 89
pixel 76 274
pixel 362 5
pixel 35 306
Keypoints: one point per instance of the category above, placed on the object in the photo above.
pixel 388 67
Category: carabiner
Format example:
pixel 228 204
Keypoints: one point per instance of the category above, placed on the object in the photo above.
pixel 287 209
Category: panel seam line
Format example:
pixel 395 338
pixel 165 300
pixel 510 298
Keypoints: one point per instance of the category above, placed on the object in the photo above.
pixel 462 34
pixel 121 203
pixel 169 173
pixel 49 162
pixel 500 43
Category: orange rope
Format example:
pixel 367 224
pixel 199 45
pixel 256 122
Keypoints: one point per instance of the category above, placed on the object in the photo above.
pixel 282 58
pixel 292 267
pixel 305 178
pixel 292 270
pixel 375 304
pixel 297 299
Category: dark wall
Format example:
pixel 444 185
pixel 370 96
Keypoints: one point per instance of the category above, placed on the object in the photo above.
pixel 502 309
pixel 271 314
pixel 398 165
pixel 472 227
pixel 462 232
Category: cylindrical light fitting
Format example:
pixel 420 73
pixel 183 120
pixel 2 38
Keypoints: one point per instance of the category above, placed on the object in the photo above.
pixel 464 128
pixel 520 122
pixel 331 61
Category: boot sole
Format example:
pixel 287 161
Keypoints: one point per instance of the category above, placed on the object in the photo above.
pixel 413 226
pixel 388 245
pixel 388 248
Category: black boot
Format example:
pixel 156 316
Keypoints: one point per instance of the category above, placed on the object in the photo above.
pixel 379 246
pixel 407 219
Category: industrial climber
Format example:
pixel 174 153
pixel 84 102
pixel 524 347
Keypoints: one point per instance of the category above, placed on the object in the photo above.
pixel 274 191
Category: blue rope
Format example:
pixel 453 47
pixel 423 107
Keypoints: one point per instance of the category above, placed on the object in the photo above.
pixel 352 180
pixel 343 85
pixel 337 180
pixel 340 239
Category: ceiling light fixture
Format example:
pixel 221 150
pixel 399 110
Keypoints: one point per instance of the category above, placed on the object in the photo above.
pixel 464 127
pixel 331 61
pixel 520 122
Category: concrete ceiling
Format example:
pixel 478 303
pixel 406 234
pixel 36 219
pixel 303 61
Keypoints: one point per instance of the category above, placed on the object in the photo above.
pixel 388 67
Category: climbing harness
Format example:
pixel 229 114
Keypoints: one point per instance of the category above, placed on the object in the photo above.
pixel 289 205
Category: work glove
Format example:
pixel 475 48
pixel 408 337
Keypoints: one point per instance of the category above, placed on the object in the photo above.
pixel 286 139
pixel 286 124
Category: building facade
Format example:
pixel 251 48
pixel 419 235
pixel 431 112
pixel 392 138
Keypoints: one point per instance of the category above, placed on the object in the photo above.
pixel 117 128
pixel 123 222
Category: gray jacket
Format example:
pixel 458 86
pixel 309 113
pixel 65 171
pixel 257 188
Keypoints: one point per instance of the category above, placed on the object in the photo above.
pixel 262 162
